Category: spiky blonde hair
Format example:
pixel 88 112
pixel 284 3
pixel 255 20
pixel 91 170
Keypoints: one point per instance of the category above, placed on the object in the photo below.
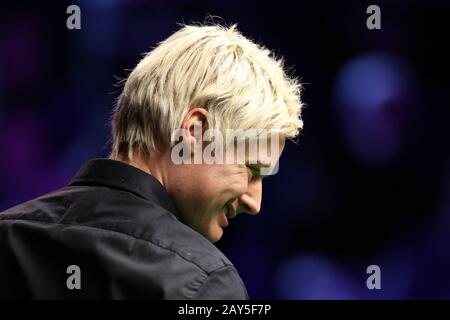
pixel 240 83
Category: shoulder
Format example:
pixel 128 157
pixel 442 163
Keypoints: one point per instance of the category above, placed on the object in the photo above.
pixel 131 235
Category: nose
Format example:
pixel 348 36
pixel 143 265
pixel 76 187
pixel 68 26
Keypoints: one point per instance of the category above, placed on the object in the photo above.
pixel 250 201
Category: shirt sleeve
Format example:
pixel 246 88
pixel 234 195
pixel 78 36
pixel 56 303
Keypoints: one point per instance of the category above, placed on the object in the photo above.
pixel 223 284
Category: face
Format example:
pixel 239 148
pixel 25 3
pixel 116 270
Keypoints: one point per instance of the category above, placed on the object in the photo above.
pixel 208 195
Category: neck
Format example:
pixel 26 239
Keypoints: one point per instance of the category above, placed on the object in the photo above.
pixel 153 166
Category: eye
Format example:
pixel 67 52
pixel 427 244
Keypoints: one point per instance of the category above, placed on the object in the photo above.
pixel 249 173
pixel 253 172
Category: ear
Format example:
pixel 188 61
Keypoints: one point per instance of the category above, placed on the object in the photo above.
pixel 194 125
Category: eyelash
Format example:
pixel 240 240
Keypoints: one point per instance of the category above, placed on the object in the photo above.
pixel 254 172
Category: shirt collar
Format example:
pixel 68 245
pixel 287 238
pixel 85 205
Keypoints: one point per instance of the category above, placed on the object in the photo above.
pixel 120 175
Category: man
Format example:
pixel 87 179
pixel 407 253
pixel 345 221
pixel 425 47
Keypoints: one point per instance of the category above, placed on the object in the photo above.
pixel 142 224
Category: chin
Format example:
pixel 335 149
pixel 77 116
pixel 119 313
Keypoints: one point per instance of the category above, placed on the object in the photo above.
pixel 215 235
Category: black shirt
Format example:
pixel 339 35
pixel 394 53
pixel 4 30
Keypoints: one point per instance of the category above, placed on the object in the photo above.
pixel 120 230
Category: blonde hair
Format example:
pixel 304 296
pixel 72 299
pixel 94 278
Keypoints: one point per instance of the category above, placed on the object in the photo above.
pixel 240 83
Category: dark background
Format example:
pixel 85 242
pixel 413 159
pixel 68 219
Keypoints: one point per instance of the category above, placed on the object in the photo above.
pixel 367 183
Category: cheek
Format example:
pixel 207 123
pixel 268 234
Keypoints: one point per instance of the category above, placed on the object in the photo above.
pixel 237 184
pixel 201 186
pixel 210 186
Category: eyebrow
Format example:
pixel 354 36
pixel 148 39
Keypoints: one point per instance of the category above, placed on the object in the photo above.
pixel 256 167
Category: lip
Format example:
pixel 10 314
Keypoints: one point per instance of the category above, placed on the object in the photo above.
pixel 228 212
pixel 224 219
pixel 231 211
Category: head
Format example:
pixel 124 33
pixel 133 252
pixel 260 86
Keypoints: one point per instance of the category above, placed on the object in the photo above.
pixel 215 77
